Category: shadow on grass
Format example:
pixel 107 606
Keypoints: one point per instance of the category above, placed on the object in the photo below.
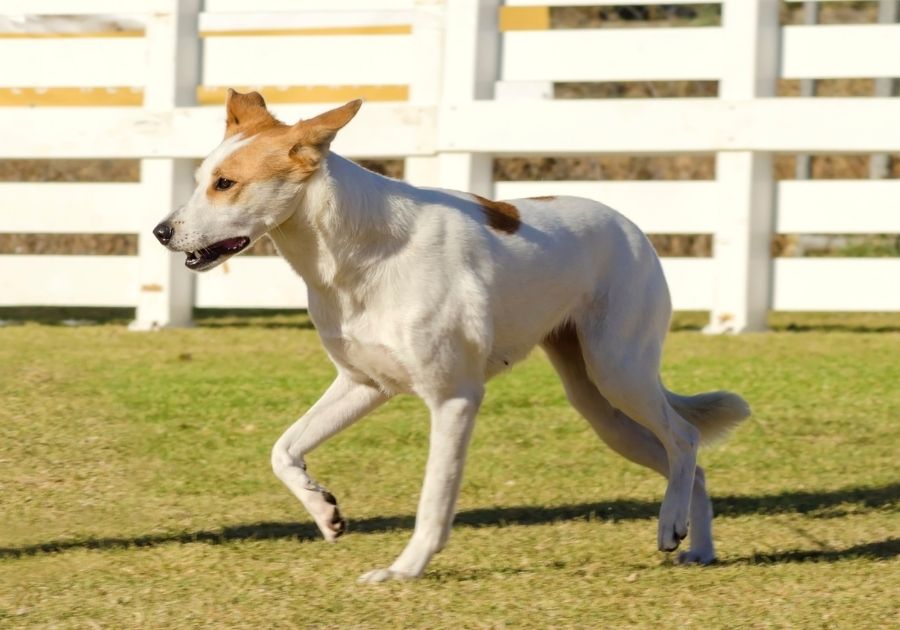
pixel 883 549
pixel 252 318
pixel 826 504
pixel 203 317
pixel 66 315
pixel 842 322
pixel 800 322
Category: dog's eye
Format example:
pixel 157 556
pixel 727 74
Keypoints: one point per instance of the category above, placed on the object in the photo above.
pixel 224 184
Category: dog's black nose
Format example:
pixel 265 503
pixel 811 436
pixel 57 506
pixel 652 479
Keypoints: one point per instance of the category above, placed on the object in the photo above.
pixel 163 233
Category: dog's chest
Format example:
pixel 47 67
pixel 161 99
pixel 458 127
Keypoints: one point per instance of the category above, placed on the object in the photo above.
pixel 370 360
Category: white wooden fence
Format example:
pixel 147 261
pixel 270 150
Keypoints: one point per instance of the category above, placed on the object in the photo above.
pixel 453 84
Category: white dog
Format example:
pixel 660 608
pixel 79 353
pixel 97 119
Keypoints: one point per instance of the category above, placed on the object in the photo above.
pixel 433 292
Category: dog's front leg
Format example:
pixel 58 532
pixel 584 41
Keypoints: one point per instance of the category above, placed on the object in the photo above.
pixel 452 420
pixel 342 404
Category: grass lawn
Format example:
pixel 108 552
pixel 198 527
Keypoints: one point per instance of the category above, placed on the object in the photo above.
pixel 135 489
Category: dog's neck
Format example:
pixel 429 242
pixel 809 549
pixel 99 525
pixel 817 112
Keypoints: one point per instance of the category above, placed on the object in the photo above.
pixel 346 219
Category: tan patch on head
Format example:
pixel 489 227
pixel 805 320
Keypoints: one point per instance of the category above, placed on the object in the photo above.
pixel 268 156
pixel 247 114
pixel 322 129
pixel 276 151
pixel 501 216
pixel 544 198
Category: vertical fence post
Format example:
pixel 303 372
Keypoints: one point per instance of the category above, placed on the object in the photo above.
pixel 880 163
pixel 471 68
pixel 425 87
pixel 802 167
pixel 741 249
pixel 166 293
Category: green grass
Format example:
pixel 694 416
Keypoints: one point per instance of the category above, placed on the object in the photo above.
pixel 135 489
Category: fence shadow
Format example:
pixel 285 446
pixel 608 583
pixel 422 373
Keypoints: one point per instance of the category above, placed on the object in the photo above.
pixel 224 318
pixel 66 315
pixel 76 316
pixel 826 504
pixel 252 318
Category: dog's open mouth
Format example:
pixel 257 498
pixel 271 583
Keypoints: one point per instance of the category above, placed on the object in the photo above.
pixel 208 256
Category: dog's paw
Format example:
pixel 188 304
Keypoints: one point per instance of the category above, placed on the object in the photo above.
pixel 377 576
pixel 671 533
pixel 696 557
pixel 328 517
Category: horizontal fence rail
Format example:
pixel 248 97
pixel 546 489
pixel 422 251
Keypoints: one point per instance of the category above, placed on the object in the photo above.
pixel 681 125
pixel 381 130
pixel 823 284
pixel 451 86
pixel 579 55
pixel 82 7
pixel 353 59
pixel 496 127
pixel 61 208
pixel 838 207
pixel 657 54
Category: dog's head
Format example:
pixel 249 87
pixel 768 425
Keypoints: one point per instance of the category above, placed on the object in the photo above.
pixel 251 182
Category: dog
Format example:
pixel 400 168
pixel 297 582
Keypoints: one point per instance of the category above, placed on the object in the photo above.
pixel 433 292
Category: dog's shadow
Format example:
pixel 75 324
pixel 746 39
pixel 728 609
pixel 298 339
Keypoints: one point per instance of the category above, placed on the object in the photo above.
pixel 829 504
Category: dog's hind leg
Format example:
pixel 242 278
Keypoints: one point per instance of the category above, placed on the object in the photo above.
pixel 627 437
pixel 342 404
pixel 621 332
pixel 632 388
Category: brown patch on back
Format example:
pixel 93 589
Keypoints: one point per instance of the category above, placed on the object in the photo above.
pixel 544 198
pixel 501 216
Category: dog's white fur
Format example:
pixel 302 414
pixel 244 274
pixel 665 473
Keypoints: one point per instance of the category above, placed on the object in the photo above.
pixel 413 291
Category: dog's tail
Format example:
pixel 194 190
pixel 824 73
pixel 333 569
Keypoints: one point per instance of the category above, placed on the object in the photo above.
pixel 713 413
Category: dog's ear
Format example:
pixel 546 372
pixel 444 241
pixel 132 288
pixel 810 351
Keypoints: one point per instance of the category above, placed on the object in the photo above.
pixel 320 131
pixel 246 113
